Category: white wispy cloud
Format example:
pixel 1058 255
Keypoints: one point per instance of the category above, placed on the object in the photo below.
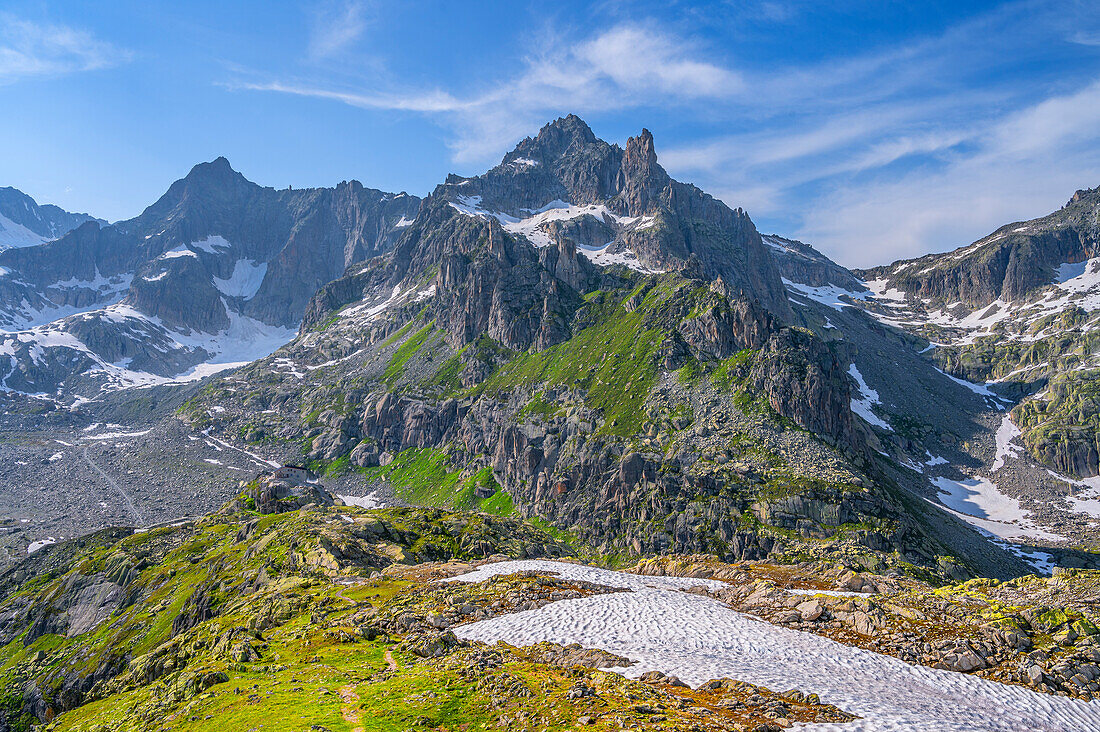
pixel 431 102
pixel 337 26
pixel 1018 166
pixel 624 67
pixel 30 50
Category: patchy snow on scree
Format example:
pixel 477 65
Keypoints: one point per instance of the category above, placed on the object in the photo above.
pixel 1006 433
pixel 698 638
pixel 868 397
pixel 981 504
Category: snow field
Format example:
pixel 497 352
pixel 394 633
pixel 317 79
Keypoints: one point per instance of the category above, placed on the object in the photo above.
pixel 697 638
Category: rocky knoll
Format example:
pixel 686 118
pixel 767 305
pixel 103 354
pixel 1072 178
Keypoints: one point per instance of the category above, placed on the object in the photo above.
pixel 338 617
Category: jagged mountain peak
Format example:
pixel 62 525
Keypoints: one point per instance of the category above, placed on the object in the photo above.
pixel 1087 196
pixel 567 187
pixel 219 166
pixel 556 138
pixel 216 173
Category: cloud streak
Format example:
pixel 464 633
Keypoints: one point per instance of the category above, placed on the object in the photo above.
pixel 624 67
pixel 32 50
pixel 336 27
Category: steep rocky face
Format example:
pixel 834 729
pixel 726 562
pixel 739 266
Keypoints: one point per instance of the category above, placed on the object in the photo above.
pixel 218 270
pixel 805 381
pixel 663 415
pixel 24 223
pixel 638 215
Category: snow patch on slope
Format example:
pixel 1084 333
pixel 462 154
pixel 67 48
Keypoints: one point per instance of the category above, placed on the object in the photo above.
pixel 1006 433
pixel 869 397
pixel 211 244
pixel 698 638
pixel 13 235
pixel 531 227
pixel 979 502
pixel 831 295
pixel 245 281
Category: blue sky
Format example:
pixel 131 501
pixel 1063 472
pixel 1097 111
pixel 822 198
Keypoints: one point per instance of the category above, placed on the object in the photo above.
pixel 872 130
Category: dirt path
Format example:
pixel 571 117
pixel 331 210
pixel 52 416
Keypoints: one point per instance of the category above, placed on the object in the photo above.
pixel 389 660
pixel 350 710
pixel 138 517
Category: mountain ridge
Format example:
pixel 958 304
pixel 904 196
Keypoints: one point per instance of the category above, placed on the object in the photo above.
pixel 145 300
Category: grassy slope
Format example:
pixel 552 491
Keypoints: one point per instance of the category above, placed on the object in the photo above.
pixel 302 637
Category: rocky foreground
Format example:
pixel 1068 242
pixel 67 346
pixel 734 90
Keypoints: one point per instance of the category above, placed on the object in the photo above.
pixel 338 618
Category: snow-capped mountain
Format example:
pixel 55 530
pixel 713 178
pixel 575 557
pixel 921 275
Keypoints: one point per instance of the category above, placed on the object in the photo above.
pixel 25 223
pixel 986 391
pixel 217 272
pixel 1019 308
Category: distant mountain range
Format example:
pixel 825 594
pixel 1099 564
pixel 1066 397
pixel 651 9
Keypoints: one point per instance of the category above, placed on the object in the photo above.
pixel 217 272
pixel 23 223
pixel 605 340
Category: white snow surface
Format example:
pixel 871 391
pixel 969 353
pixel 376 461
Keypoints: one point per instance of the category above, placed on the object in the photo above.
pixel 531 227
pixel 980 503
pixel 246 339
pixel 245 281
pixel 697 638
pixel 36 545
pixel 1006 433
pixel 13 235
pixel 868 397
pixel 828 295
pixel 367 501
pixel 1087 502
pixel 211 243
pixel 180 251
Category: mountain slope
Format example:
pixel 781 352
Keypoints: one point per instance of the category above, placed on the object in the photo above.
pixel 939 351
pixel 24 223
pixel 644 410
pixel 1018 308
pixel 217 272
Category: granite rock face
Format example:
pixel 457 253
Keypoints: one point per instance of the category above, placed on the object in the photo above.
pixel 1008 264
pixel 801 263
pixel 668 225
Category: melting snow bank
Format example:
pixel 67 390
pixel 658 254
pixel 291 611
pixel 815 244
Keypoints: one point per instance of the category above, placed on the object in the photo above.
pixel 697 638
pixel 367 501
pixel 979 502
pixel 1006 433
pixel 868 398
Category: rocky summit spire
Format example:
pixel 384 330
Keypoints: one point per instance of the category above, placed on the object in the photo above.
pixel 640 179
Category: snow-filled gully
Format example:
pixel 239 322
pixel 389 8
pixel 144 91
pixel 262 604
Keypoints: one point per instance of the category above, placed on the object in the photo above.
pixel 697 638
